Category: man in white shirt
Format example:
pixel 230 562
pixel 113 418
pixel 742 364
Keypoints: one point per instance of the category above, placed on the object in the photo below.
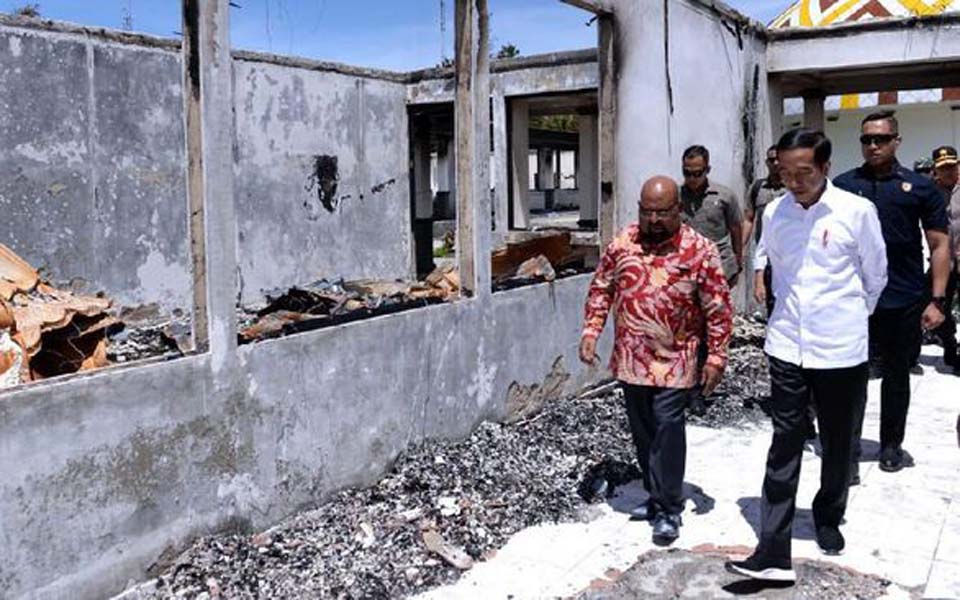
pixel 829 265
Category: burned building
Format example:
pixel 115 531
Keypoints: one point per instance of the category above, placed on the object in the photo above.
pixel 204 183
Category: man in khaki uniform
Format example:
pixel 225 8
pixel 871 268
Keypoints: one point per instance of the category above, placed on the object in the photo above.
pixel 946 174
pixel 761 193
pixel 712 210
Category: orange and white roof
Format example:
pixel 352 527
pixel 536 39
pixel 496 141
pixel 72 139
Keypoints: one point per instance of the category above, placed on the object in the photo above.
pixel 820 13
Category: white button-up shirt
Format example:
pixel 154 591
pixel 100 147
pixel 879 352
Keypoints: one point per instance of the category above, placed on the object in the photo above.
pixel 829 265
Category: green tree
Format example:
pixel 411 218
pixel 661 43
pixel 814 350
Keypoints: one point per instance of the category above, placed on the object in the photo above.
pixel 28 10
pixel 565 123
pixel 507 51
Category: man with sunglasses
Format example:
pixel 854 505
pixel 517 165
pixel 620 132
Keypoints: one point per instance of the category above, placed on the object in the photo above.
pixel 712 210
pixel 665 285
pixel 761 193
pixel 829 269
pixel 906 203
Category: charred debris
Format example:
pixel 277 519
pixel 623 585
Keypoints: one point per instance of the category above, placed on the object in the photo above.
pixel 446 505
pixel 541 257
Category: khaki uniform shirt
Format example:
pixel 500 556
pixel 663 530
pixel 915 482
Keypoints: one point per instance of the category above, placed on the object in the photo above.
pixel 760 195
pixel 709 214
pixel 953 214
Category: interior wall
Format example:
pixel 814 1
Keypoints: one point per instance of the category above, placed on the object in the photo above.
pixel 92 178
pixel 288 118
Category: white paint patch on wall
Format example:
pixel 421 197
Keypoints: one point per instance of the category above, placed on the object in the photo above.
pixel 16 49
pixel 162 281
pixel 71 152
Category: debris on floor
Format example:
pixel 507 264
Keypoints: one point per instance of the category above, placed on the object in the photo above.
pixel 57 331
pixel 538 257
pixel 47 330
pixel 443 506
pixel 744 391
pixel 675 573
pixel 325 303
pixel 144 332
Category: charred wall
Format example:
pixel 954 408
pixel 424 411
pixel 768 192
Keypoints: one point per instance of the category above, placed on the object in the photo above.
pixel 686 76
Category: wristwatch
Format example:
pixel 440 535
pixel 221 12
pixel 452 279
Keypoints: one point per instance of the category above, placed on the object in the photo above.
pixel 940 302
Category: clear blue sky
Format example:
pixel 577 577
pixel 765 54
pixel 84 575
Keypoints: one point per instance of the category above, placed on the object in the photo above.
pixel 389 34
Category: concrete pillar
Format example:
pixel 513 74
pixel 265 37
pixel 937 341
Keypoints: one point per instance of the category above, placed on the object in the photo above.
pixel 208 102
pixel 520 157
pixel 451 168
pixel 472 135
pixel 813 111
pixel 500 172
pixel 606 57
pixel 775 98
pixel 423 200
pixel 588 185
pixel 546 168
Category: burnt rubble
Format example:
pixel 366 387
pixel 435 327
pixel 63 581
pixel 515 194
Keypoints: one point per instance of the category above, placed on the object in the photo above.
pixel 324 303
pixel 745 389
pixel 442 506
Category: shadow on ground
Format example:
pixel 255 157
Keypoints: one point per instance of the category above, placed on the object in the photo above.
pixel 700 573
pixel 631 495
pixel 803 527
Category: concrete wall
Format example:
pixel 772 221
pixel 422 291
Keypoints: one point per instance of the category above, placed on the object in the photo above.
pixel 286 117
pixel 888 42
pixel 104 473
pixel 92 180
pixel 708 79
pixel 92 169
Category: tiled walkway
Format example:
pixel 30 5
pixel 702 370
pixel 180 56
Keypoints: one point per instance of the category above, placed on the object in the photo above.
pixel 903 526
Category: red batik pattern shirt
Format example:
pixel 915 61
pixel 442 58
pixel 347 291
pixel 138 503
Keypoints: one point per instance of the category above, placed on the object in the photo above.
pixel 663 299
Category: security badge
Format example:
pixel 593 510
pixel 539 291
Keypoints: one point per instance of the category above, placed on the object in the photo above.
pixel 906 186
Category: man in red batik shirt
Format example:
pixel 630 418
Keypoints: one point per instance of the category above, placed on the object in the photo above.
pixel 666 286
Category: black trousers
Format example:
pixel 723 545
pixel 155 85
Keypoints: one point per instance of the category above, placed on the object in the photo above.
pixel 897 335
pixel 835 394
pixel 658 426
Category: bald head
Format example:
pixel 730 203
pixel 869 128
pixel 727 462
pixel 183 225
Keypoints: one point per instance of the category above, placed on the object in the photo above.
pixel 659 209
pixel 659 189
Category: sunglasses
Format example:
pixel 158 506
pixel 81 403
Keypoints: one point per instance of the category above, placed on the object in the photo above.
pixel 691 173
pixel 880 139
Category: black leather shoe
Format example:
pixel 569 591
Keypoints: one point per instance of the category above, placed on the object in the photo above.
pixel 666 528
pixel 891 460
pixel 830 540
pixel 760 567
pixel 645 512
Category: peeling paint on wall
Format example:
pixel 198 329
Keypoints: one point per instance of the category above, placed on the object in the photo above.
pixel 161 280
